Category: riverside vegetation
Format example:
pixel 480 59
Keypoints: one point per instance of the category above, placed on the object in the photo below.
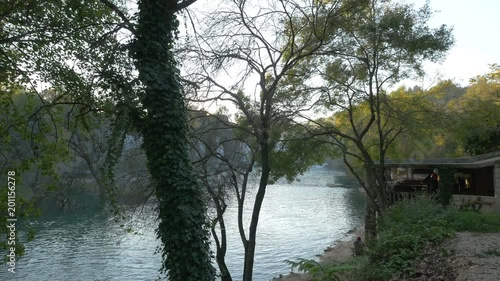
pixel 409 233
pixel 82 80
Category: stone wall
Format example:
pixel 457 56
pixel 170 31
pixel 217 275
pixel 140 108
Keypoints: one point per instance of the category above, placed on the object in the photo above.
pixel 488 203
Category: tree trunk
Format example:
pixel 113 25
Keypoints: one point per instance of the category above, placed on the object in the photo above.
pixel 259 199
pixel 370 220
pixel 371 204
pixel 221 245
pixel 182 227
pixel 224 271
pixel 220 255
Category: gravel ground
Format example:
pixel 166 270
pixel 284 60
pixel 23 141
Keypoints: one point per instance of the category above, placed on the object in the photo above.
pixel 476 256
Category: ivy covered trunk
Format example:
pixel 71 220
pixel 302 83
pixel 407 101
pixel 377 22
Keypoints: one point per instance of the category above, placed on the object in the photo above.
pixel 182 227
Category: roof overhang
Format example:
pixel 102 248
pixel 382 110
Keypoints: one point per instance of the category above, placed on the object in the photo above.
pixel 479 161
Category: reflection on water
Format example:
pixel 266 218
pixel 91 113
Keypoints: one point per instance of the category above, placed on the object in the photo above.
pixel 297 220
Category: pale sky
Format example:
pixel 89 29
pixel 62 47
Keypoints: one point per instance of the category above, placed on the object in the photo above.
pixel 476 28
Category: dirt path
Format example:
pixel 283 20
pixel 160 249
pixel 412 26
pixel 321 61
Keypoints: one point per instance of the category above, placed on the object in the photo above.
pixel 476 256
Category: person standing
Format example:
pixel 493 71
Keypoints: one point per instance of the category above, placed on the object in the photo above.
pixel 359 247
pixel 434 181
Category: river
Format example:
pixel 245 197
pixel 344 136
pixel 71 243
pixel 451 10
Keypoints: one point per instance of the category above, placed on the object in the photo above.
pixel 298 220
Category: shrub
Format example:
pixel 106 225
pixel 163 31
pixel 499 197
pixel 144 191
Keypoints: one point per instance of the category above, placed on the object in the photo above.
pixel 318 271
pixel 473 221
pixel 446 185
pixel 404 230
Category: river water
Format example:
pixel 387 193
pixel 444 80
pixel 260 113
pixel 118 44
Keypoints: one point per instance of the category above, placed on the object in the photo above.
pixel 298 220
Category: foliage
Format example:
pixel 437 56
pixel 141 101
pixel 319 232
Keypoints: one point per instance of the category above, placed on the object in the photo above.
pixel 446 185
pixel 30 142
pixel 485 143
pixel 480 124
pixel 465 120
pixel 182 227
pixel 474 221
pixel 379 45
pixel 447 120
pixel 318 271
pixel 77 48
pixel 267 44
pixel 470 205
pixel 405 230
pixel 407 227
pixel 430 117
pixel 294 152
pixel 73 45
pixel 62 44
pixel 69 46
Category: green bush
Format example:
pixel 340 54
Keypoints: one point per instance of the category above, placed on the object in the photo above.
pixel 318 271
pixel 408 226
pixel 403 232
pixel 474 221
pixel 370 272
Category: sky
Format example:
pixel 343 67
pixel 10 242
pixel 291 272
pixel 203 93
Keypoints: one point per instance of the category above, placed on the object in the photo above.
pixel 476 28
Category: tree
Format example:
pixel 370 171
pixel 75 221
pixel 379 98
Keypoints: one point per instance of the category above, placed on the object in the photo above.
pixel 28 148
pixel 261 44
pixel 429 118
pixel 223 160
pixel 74 46
pixel 63 44
pixel 164 127
pixel 378 46
pixel 480 126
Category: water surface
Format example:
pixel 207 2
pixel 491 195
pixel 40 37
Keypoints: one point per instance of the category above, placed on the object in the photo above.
pixel 298 220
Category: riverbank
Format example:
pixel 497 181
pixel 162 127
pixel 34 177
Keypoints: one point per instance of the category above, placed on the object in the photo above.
pixel 418 240
pixel 469 256
pixel 340 251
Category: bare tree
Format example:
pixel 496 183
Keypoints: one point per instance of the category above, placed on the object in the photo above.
pixel 245 43
pixel 223 161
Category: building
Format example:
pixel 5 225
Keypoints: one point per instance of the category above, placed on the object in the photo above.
pixel 477 179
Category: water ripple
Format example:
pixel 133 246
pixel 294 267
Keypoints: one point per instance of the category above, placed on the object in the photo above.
pixel 298 220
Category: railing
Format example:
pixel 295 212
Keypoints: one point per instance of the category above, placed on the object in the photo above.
pixel 407 189
pixel 393 197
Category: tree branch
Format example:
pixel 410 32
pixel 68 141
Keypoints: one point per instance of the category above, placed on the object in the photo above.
pixel 114 8
pixel 184 4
